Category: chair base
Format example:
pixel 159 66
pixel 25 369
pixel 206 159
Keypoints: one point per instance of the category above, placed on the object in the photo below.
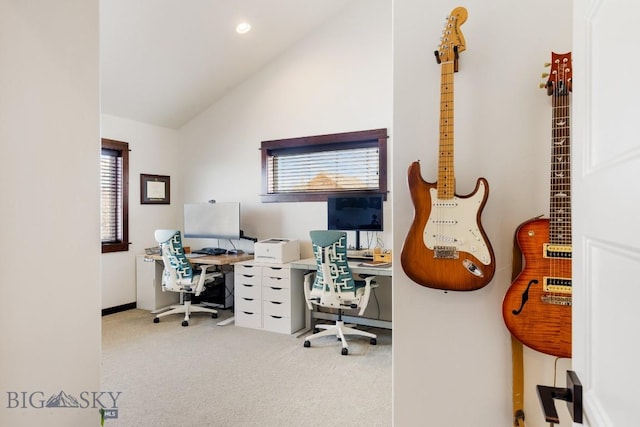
pixel 339 330
pixel 187 308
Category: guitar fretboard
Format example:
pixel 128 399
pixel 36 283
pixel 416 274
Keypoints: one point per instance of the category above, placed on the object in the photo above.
pixel 560 207
pixel 446 177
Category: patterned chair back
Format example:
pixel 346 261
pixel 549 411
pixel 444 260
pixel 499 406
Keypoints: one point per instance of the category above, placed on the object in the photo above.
pixel 178 270
pixel 330 252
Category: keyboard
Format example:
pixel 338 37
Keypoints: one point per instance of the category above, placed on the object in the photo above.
pixel 210 251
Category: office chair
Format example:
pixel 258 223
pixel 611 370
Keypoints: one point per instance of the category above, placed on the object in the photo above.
pixel 333 286
pixel 178 276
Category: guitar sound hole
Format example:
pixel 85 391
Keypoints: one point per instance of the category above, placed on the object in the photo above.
pixel 525 297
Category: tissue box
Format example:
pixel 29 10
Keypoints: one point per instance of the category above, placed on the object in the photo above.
pixel 277 250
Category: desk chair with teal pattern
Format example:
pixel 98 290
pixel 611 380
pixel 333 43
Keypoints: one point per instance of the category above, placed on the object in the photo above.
pixel 333 286
pixel 178 276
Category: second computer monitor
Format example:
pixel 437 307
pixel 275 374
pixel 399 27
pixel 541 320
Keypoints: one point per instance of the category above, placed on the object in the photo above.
pixel 355 213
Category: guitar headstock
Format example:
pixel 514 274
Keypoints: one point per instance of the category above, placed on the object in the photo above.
pixel 560 75
pixel 452 40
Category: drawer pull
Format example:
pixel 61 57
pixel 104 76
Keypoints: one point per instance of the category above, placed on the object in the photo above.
pixel 276 317
pixel 275 288
pixel 248 275
pixel 248 312
pixel 248 299
pixel 247 285
pixel 275 302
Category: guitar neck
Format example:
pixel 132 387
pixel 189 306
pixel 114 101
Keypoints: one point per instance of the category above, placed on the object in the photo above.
pixel 446 177
pixel 560 208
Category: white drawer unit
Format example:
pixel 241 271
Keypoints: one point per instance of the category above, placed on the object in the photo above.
pixel 265 299
pixel 248 295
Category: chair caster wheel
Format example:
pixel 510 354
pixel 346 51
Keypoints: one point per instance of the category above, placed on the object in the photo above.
pixel 185 323
pixel 373 341
pixel 156 320
pixel 345 351
pixel 214 315
pixel 307 343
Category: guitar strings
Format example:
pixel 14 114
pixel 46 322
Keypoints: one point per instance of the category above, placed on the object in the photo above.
pixel 560 220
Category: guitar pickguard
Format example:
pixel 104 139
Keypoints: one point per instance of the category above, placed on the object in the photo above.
pixel 452 227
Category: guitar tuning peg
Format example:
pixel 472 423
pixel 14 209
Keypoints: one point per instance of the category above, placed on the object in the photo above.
pixel 545 75
pixel 543 85
pixel 547 64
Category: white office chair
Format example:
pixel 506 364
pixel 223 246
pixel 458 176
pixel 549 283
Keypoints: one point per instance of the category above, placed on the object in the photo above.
pixel 334 286
pixel 178 276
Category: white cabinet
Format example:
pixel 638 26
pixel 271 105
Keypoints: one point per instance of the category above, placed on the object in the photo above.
pixel 149 295
pixel 265 298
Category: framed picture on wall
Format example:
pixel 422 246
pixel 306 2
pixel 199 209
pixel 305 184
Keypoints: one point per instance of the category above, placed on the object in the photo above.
pixel 155 189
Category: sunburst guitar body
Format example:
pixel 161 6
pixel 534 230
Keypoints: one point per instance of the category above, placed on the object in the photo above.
pixel 537 307
pixel 446 247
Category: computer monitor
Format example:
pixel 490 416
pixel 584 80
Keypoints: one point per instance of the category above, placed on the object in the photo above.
pixel 212 220
pixel 355 213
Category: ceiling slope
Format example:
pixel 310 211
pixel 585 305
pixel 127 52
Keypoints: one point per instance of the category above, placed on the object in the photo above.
pixel 165 61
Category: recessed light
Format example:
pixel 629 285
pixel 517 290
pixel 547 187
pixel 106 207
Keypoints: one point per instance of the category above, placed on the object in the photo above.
pixel 243 28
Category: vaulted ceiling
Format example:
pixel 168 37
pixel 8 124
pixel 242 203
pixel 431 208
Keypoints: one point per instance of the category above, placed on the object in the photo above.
pixel 165 61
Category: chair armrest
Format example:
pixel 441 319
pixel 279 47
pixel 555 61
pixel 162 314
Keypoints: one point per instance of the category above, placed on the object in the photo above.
pixel 308 285
pixel 368 285
pixel 204 277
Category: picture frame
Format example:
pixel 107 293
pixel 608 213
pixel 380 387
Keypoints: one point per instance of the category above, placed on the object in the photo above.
pixel 155 189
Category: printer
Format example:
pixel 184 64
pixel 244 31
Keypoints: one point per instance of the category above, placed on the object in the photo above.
pixel 276 250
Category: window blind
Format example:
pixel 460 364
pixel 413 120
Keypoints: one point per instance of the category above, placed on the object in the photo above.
pixel 331 170
pixel 111 168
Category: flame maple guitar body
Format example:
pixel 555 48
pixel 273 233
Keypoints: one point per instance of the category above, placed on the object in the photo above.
pixel 446 247
pixel 537 306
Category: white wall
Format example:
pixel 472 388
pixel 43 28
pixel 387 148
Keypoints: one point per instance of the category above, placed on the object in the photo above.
pixel 337 80
pixel 452 356
pixel 50 257
pixel 154 150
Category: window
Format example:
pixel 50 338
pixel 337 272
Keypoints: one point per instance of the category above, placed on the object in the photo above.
pixel 316 167
pixel 114 196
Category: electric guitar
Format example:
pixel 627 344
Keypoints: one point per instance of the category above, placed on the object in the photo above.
pixel 537 306
pixel 446 247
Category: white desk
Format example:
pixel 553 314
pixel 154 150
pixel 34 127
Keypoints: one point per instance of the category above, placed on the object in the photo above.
pixel 217 260
pixel 310 264
pixel 356 268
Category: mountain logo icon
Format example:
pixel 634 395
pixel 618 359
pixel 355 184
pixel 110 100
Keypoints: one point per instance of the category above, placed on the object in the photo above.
pixel 62 400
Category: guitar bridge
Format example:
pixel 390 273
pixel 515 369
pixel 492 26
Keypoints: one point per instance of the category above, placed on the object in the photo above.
pixel 445 252
pixel 556 300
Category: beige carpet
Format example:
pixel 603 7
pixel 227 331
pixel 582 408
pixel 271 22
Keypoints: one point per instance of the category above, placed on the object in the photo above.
pixel 209 375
